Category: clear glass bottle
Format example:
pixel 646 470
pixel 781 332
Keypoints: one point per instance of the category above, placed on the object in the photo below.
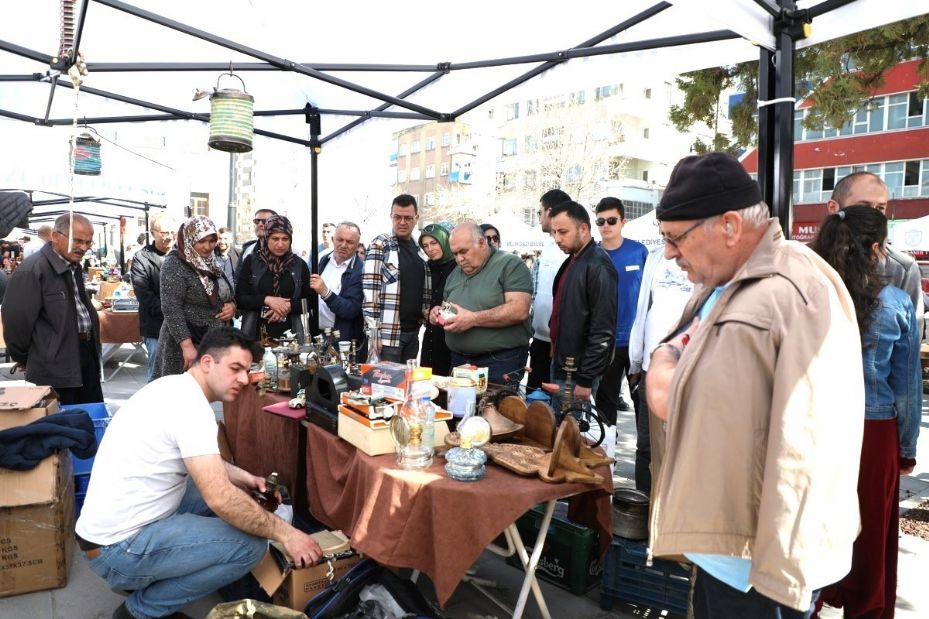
pixel 373 356
pixel 270 362
pixel 429 427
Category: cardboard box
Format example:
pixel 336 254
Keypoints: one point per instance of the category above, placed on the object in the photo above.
pixel 372 436
pixel 388 379
pixel 293 588
pixel 20 406
pixel 478 375
pixel 37 539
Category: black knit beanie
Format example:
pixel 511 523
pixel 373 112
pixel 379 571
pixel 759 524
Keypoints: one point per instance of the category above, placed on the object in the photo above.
pixel 706 185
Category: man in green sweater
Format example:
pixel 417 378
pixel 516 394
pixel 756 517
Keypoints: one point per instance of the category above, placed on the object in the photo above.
pixel 489 293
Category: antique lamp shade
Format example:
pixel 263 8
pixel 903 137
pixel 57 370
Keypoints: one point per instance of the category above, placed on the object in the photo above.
pixel 231 122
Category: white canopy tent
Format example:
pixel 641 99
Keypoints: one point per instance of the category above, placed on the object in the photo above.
pixel 644 229
pixel 912 235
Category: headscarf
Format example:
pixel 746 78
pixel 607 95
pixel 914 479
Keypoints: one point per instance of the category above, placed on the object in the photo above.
pixel 440 232
pixel 207 269
pixel 276 264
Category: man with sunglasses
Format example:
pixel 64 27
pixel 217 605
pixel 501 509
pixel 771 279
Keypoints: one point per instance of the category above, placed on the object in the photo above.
pixel 51 329
pixel 397 286
pixel 261 216
pixel 628 257
pixel 761 386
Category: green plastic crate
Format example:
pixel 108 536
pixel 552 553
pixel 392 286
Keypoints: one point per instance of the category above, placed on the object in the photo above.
pixel 570 557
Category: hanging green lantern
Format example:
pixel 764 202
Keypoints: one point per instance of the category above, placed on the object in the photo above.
pixel 231 122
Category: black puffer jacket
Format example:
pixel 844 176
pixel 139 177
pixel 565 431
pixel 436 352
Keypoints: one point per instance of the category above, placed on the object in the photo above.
pixel 146 281
pixel 588 315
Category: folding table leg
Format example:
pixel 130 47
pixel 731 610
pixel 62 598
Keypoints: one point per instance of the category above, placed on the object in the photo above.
pixel 530 564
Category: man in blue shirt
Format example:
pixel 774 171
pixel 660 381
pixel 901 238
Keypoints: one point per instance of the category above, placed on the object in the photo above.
pixel 628 257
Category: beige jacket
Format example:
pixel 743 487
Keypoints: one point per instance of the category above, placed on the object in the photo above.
pixel 765 421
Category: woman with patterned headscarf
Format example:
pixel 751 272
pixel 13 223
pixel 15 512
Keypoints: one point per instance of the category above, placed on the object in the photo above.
pixel 434 242
pixel 195 296
pixel 272 281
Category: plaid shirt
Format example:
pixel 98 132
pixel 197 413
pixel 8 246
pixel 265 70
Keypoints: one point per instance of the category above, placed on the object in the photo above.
pixel 381 285
pixel 84 325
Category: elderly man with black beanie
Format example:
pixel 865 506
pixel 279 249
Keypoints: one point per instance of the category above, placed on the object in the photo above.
pixel 761 387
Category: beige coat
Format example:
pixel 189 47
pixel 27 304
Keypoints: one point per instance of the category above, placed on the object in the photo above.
pixel 765 421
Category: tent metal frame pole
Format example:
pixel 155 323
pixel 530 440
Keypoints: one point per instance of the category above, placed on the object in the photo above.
pixel 828 5
pixel 784 122
pixel 282 63
pixel 241 67
pixel 766 77
pixel 79 28
pixel 528 75
pixel 25 52
pixel 315 122
pixel 415 87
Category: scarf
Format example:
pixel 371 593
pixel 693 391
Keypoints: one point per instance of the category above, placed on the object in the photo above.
pixel 440 232
pixel 276 264
pixel 207 269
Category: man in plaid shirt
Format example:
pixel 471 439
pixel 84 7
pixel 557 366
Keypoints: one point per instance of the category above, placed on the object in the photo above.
pixel 396 311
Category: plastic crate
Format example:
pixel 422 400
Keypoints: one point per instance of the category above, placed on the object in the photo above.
pixel 664 584
pixel 101 417
pixel 570 557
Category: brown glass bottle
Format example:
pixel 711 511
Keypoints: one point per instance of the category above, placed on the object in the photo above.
pixel 268 498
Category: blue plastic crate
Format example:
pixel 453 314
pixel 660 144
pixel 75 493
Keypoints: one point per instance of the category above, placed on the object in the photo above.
pixel 665 584
pixel 101 417
pixel 78 504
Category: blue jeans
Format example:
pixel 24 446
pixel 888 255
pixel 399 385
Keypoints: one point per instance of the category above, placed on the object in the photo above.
pixel 408 348
pixel 151 345
pixel 171 562
pixel 503 366
pixel 713 599
pixel 556 398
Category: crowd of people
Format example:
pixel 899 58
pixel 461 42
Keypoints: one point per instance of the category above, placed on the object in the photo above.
pixel 776 387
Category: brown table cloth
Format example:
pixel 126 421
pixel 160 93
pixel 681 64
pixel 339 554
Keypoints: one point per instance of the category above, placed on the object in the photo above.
pixel 119 327
pixel 263 443
pixel 424 519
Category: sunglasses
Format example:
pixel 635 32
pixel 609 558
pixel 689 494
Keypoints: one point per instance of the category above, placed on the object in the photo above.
pixel 259 220
pixel 493 238
pixel 609 220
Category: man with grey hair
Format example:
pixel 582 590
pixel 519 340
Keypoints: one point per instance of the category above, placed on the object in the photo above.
pixel 761 387
pixel 900 269
pixel 146 281
pixel 44 234
pixel 339 285
pixel 51 329
pixel 490 292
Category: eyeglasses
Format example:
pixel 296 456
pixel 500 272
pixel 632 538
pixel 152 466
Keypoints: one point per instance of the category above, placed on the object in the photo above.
pixel 609 220
pixel 259 220
pixel 492 238
pixel 407 219
pixel 675 241
pixel 76 242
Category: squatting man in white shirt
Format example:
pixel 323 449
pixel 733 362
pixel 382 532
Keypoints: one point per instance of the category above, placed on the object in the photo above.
pixel 165 517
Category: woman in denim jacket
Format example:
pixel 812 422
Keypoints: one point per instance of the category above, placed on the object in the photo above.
pixel 852 242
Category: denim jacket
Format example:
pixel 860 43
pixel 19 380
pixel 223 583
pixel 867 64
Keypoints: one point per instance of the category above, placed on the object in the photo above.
pixel 892 373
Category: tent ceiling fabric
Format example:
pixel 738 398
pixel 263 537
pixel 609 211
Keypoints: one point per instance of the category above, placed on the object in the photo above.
pixel 412 33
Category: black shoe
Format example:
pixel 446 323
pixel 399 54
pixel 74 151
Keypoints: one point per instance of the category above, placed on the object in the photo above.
pixel 122 612
pixel 624 406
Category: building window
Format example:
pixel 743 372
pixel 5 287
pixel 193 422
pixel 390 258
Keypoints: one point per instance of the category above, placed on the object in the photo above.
pixel 915 112
pixel 199 204
pixel 530 180
pixel 445 140
pixel 430 143
pixel 430 171
pixel 443 169
pixel 401 176
pixel 504 182
pixel 579 97
pixel 645 175
pixel 415 147
pixel 645 133
pixel 648 93
pixel 401 152
pixel 512 111
pixel 532 107
pixel 812 186
pixel 896 111
pixel 414 174
pixel 509 147
pixel 604 92
pixel 911 179
pixel 531 144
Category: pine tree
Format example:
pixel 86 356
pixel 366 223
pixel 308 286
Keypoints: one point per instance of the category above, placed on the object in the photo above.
pixel 838 76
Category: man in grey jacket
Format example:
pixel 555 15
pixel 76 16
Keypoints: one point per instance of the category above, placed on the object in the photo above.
pixel 51 329
pixel 901 270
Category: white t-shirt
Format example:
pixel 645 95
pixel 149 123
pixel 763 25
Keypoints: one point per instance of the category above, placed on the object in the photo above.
pixel 332 275
pixel 549 260
pixel 670 292
pixel 139 475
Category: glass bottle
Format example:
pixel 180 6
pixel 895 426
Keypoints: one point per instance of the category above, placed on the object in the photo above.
pixel 417 452
pixel 268 498
pixel 429 415
pixel 270 362
pixel 373 356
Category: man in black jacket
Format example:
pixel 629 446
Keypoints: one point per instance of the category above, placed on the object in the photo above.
pixel 339 286
pixel 261 215
pixel 146 281
pixel 584 296
pixel 50 327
